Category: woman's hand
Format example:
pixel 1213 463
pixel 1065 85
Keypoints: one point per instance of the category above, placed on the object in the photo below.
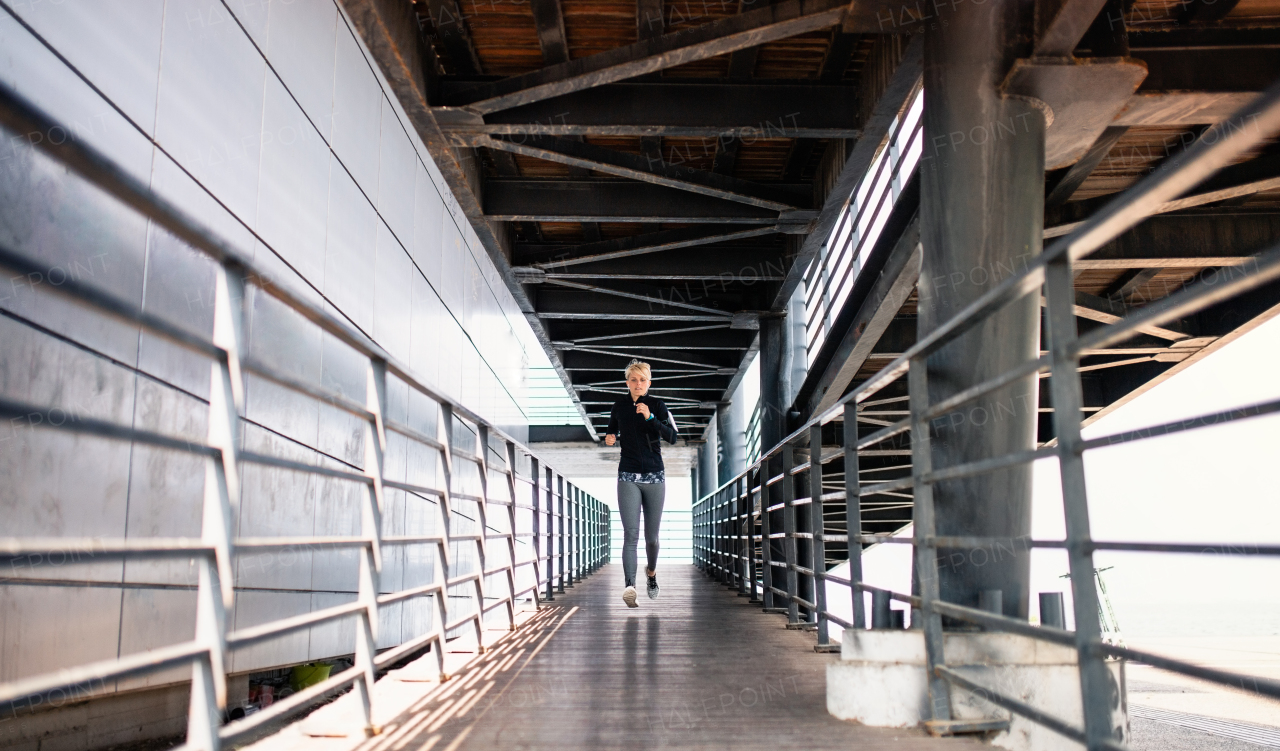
pixel 610 439
pixel 642 409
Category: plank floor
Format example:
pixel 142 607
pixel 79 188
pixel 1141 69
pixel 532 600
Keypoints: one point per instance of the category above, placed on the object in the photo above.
pixel 698 668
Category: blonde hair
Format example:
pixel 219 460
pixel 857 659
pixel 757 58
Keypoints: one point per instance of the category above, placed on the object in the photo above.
pixel 635 366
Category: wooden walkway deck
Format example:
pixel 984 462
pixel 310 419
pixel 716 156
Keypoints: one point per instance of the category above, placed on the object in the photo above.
pixel 698 668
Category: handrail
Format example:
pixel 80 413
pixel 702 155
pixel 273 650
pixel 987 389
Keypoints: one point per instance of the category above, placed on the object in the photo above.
pixel 734 524
pixel 569 533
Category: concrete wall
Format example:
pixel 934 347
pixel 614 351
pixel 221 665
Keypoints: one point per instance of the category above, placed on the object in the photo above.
pixel 273 126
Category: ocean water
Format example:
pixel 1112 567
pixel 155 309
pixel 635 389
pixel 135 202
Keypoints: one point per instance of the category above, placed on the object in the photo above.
pixel 1198 619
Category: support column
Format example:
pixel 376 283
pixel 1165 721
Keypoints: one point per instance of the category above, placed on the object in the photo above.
pixel 708 480
pixel 773 388
pixel 731 439
pixel 981 208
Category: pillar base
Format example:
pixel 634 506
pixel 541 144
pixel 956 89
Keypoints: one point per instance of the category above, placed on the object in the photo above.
pixel 880 681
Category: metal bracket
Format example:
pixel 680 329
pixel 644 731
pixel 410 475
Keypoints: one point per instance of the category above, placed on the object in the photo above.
pixel 1082 97
pixel 529 274
pixel 746 320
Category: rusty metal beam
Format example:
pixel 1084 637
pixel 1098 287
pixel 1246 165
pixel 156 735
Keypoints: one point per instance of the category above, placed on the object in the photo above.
pixel 646 169
pixel 726 35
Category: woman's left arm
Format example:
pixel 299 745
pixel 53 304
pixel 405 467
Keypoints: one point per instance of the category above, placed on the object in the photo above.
pixel 664 424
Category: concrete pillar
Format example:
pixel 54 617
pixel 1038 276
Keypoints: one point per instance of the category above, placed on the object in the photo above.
pixel 731 440
pixel 773 388
pixel 708 478
pixel 796 345
pixel 981 208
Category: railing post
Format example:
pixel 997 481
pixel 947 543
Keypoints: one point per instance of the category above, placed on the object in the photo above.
pixel 538 568
pixel 752 491
pixel 716 530
pixel 482 512
pixel 549 490
pixel 215 593
pixel 853 511
pixel 817 527
pixel 926 564
pixel 739 564
pixel 572 535
pixel 511 539
pixel 757 595
pixel 444 434
pixel 579 542
pixel 375 442
pixel 767 491
pixel 561 531
pixel 789 530
pixel 1096 684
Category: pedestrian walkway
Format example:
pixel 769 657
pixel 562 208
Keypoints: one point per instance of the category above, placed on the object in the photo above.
pixel 698 668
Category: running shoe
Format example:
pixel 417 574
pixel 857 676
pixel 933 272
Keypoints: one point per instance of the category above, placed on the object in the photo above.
pixel 653 587
pixel 629 597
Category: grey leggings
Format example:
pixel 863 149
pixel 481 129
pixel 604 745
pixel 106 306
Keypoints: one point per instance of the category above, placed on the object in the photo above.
pixel 631 496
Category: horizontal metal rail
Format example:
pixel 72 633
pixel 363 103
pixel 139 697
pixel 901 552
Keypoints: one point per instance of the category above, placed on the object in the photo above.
pixel 760 534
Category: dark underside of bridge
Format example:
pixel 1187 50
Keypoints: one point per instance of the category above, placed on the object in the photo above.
pixel 653 177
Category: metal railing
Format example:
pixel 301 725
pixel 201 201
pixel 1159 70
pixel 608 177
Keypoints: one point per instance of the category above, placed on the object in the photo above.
pixel 568 530
pixel 728 545
pixel 830 279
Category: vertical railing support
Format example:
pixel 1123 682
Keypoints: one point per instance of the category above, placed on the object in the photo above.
pixel 816 528
pixel 538 568
pixel 789 532
pixel 482 544
pixel 375 444
pixel 444 434
pixel 511 539
pixel 215 593
pixel 549 490
pixel 853 511
pixel 561 531
pixel 751 534
pixel 766 535
pixel 926 565
pixel 1096 684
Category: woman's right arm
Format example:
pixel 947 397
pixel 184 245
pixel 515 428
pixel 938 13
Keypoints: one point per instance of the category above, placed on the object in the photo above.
pixel 612 431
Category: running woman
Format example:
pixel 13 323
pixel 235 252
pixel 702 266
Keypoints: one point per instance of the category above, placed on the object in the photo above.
pixel 640 422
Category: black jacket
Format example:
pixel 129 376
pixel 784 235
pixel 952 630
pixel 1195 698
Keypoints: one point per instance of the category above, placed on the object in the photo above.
pixel 641 438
